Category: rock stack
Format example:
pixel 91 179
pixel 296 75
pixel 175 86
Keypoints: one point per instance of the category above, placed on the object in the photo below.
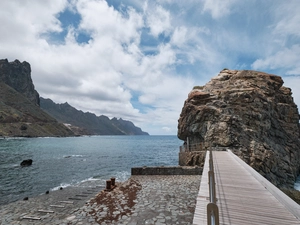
pixel 252 114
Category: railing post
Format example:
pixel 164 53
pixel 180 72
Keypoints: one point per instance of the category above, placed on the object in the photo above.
pixel 212 214
pixel 212 187
pixel 212 208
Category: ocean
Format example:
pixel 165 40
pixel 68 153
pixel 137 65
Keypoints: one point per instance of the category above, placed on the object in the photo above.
pixel 61 162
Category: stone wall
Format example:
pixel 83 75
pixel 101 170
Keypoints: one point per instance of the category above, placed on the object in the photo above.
pixel 176 170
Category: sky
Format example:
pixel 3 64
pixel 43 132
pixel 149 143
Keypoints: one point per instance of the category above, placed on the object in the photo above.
pixel 138 60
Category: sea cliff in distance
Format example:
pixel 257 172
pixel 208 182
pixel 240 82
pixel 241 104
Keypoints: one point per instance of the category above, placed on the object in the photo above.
pixel 22 116
pixel 88 123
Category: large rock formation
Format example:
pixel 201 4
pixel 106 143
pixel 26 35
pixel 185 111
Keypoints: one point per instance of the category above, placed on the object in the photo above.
pixel 18 76
pixel 251 113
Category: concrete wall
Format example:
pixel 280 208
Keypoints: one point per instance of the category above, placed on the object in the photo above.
pixel 176 170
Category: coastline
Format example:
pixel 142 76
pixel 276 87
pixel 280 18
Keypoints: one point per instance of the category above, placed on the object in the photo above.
pixel 154 199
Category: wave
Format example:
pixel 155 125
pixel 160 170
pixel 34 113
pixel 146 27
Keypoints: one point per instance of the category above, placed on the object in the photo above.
pixel 69 156
pixel 89 182
pixel 297 184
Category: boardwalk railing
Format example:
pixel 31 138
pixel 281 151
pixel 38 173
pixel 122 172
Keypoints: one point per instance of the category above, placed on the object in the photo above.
pixel 212 208
pixel 192 147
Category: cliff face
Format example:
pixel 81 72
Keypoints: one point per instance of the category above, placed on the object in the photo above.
pixel 18 76
pixel 19 117
pixel 89 122
pixel 20 114
pixel 251 113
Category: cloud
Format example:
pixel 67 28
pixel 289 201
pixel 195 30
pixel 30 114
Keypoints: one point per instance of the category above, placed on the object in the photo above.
pixel 219 8
pixel 287 58
pixel 288 19
pixel 30 19
pixel 100 21
pixel 283 49
pixel 139 60
pixel 293 83
pixel 158 20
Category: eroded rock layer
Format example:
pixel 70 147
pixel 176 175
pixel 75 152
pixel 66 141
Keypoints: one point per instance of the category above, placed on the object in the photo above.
pixel 251 113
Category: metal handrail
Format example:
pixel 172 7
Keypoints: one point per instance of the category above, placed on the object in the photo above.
pixel 212 208
pixel 197 147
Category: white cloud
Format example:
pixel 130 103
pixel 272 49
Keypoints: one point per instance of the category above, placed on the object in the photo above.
pixel 219 8
pixel 288 17
pixel 106 73
pixel 24 21
pixel 101 20
pixel 167 129
pixel 158 20
pixel 293 83
pixel 287 58
pixel 283 48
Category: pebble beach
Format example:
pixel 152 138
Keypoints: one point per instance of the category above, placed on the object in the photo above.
pixel 149 199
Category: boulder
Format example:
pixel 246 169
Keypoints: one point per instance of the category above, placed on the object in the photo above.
pixel 252 114
pixel 26 162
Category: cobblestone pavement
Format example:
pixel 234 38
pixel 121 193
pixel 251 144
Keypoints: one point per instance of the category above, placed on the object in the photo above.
pixel 156 200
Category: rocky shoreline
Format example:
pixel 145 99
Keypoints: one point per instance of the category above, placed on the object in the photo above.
pixel 140 200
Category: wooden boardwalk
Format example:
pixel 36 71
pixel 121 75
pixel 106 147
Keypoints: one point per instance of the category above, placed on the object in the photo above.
pixel 243 195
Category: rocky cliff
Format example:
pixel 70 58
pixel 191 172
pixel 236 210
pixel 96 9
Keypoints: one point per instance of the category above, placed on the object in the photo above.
pixel 88 122
pixel 251 113
pixel 18 76
pixel 20 117
pixel 20 114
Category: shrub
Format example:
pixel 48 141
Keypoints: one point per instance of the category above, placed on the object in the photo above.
pixel 23 127
pixel 198 87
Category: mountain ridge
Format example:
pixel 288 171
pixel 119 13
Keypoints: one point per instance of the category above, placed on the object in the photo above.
pixel 20 117
pixel 21 113
pixel 91 123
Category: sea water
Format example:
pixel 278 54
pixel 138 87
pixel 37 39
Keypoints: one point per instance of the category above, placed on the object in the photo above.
pixel 61 162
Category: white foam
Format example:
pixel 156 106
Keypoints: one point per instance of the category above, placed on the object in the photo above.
pixel 297 184
pixel 63 185
pixel 122 176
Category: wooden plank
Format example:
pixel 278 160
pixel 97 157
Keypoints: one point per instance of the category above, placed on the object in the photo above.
pixel 45 211
pixel 31 218
pixel 67 202
pixel 241 197
pixel 57 206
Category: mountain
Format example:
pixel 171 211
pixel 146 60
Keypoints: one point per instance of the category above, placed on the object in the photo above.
pixel 89 122
pixel 251 113
pixel 20 114
pixel 18 76
pixel 20 117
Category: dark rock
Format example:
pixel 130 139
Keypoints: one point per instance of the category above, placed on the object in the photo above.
pixel 26 162
pixel 251 113
pixel 47 192
pixel 25 199
pixel 18 76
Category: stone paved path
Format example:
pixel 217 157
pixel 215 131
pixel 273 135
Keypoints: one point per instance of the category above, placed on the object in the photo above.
pixel 140 200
